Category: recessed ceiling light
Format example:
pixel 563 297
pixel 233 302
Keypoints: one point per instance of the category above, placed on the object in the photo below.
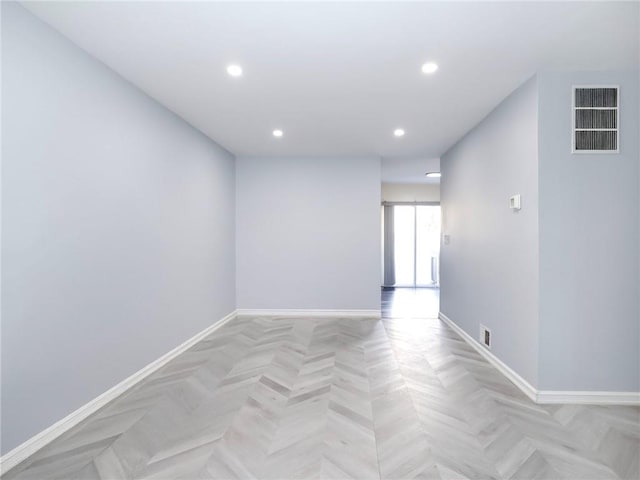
pixel 278 133
pixel 434 174
pixel 398 132
pixel 429 68
pixel 234 70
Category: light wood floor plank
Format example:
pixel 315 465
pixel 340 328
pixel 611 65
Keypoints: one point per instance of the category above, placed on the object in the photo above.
pixel 280 398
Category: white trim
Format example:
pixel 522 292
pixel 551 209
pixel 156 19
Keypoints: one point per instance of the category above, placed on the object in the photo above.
pixel 40 440
pixel 589 398
pixel 308 313
pixel 519 382
pixel 545 396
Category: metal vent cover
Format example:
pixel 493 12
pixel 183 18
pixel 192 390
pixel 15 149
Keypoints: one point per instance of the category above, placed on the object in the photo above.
pixel 485 336
pixel 595 116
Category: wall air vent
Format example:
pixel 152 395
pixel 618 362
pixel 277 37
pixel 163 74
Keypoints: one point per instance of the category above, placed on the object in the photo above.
pixel 595 119
pixel 485 336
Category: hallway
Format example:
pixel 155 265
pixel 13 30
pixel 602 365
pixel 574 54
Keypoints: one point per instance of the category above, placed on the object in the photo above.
pixel 410 303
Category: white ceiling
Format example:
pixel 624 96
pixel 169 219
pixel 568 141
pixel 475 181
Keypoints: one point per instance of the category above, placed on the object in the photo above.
pixel 338 78
pixel 409 170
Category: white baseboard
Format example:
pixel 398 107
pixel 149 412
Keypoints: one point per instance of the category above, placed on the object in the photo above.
pixel 308 313
pixel 545 396
pixel 519 382
pixel 589 397
pixel 35 443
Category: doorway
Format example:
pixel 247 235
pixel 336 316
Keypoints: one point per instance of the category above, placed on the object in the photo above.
pixel 411 259
pixel 411 245
pixel 416 245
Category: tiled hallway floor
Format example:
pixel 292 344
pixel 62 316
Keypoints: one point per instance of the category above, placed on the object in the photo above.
pixel 411 303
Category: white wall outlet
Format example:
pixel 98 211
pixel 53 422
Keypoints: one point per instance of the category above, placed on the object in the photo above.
pixel 485 336
pixel 514 202
pixel 446 239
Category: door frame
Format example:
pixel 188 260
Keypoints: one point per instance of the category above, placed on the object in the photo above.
pixel 415 238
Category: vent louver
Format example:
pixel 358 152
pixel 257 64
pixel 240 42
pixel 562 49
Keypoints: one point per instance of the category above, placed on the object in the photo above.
pixel 485 336
pixel 595 119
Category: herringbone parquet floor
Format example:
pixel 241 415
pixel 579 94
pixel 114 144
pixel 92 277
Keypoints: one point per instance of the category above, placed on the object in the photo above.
pixel 338 398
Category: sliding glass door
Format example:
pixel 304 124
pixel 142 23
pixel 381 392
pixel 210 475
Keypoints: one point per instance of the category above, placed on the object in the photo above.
pixel 427 245
pixel 404 237
pixel 416 245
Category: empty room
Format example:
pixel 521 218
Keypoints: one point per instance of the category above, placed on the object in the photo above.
pixel 295 240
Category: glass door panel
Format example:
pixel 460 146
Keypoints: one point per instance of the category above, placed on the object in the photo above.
pixel 404 244
pixel 427 245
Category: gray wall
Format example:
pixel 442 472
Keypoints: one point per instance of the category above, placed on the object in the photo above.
pixel 117 228
pixel 489 271
pixel 589 240
pixel 308 233
pixel 564 280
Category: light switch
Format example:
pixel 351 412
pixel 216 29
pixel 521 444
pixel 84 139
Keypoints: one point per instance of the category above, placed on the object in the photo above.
pixel 514 202
pixel 446 239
